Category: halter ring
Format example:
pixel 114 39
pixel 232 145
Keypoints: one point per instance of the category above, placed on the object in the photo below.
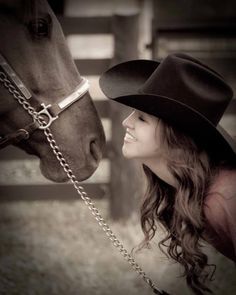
pixel 45 113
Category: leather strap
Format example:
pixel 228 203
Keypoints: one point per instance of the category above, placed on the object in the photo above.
pixel 18 135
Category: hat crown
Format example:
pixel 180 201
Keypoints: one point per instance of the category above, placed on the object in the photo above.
pixel 187 81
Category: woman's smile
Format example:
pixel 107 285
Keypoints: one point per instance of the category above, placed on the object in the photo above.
pixel 141 139
pixel 129 137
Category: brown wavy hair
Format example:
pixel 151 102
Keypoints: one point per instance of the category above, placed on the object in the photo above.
pixel 180 210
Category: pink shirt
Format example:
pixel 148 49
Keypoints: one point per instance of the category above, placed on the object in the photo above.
pixel 220 213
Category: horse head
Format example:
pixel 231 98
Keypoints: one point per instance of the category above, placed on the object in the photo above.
pixel 34 45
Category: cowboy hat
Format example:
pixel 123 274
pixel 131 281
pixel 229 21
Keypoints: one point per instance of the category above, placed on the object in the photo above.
pixel 182 91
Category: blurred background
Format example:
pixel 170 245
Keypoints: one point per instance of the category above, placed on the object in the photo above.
pixel 50 243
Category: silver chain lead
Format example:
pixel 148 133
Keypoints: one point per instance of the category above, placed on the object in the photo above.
pixel 80 190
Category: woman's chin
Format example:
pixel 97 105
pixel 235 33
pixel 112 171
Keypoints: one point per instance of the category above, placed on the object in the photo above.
pixel 126 152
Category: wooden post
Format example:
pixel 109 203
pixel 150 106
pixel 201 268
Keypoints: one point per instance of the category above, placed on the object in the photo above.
pixel 126 182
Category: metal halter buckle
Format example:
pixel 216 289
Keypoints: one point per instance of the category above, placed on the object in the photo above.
pixel 45 113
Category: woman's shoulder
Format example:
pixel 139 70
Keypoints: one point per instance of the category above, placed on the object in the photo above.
pixel 220 213
pixel 224 184
pixel 220 201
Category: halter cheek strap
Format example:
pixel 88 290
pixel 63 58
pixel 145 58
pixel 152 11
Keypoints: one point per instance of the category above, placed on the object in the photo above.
pixel 48 113
pixel 7 69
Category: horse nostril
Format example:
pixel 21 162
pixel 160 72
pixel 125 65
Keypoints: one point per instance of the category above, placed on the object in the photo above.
pixel 95 151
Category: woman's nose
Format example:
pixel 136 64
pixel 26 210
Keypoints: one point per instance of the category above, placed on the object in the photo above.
pixel 129 121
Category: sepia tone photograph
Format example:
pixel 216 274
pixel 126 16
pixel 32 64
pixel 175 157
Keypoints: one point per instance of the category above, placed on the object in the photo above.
pixel 117 147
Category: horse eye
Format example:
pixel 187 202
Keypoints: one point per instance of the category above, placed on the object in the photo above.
pixel 40 28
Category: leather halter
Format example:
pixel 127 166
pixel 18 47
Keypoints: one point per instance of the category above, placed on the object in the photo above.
pixel 49 112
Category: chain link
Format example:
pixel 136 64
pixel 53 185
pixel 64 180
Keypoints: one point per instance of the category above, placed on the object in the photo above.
pixel 80 190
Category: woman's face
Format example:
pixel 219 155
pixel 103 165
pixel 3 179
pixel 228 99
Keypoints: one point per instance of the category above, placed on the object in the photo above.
pixel 142 140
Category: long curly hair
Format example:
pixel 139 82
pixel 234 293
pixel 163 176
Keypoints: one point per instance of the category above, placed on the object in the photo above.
pixel 180 210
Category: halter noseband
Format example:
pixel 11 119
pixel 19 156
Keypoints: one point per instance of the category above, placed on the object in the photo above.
pixel 49 112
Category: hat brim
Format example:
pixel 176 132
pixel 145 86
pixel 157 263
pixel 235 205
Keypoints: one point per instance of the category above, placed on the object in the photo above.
pixel 122 84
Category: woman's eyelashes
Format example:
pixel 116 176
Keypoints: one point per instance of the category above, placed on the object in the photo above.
pixel 141 118
pixel 139 115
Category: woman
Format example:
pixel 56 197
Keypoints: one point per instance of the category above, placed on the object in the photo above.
pixel 188 158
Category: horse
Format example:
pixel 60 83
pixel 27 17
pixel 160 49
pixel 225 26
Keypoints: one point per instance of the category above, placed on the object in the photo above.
pixel 33 46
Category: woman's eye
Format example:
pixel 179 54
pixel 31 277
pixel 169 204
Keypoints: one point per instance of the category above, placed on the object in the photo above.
pixel 40 28
pixel 141 118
